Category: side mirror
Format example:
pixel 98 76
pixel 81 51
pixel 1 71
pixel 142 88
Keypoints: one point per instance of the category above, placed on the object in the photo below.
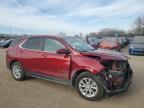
pixel 63 51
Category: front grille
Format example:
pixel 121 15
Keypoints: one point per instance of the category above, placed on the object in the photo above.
pixel 121 65
pixel 116 77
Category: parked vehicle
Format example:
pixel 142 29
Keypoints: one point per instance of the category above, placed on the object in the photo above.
pixel 7 43
pixel 130 39
pixel 125 41
pixel 110 43
pixel 93 41
pixel 121 42
pixel 69 61
pixel 137 46
pixel 2 42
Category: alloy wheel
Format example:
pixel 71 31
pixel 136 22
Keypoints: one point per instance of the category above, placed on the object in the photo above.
pixel 88 87
pixel 16 71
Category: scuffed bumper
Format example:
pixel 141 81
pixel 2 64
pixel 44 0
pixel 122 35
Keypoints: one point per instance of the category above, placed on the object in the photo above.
pixel 104 84
pixel 125 87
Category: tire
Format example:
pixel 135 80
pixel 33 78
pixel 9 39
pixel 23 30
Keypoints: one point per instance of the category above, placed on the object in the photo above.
pixel 96 90
pixel 17 71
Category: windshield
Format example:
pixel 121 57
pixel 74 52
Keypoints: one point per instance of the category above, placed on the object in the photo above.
pixel 79 45
pixel 138 40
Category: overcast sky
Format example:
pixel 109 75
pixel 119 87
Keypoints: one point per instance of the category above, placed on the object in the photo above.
pixel 69 16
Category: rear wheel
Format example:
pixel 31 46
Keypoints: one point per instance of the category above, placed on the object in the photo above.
pixel 88 87
pixel 17 71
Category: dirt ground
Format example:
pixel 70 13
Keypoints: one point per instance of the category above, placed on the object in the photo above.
pixel 36 93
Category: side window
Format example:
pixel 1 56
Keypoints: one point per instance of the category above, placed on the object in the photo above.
pixel 33 43
pixel 52 45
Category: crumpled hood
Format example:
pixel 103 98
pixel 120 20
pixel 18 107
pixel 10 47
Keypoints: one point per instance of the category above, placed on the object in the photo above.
pixel 137 45
pixel 106 55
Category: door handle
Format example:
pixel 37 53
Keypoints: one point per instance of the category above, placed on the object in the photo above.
pixel 44 55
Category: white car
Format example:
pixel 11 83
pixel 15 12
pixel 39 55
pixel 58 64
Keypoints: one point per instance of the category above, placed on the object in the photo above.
pixel 2 42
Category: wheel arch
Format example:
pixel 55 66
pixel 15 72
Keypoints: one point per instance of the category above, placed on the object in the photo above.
pixel 101 81
pixel 13 61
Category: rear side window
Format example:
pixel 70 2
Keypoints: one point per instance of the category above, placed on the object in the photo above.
pixel 33 43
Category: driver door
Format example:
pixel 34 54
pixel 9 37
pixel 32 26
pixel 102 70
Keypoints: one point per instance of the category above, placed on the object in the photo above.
pixel 53 64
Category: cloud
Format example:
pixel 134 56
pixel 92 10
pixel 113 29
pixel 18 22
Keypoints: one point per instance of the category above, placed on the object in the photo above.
pixel 122 7
pixel 53 16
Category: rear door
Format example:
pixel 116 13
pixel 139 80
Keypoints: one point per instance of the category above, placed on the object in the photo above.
pixel 30 54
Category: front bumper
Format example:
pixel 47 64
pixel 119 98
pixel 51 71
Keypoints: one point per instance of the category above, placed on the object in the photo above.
pixel 125 87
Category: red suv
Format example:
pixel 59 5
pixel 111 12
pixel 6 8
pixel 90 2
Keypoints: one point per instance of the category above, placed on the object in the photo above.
pixel 69 61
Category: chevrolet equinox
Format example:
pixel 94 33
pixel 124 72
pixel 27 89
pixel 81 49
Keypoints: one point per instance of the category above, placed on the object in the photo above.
pixel 69 61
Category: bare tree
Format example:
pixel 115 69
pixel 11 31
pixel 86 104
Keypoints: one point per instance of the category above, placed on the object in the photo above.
pixel 111 32
pixel 139 26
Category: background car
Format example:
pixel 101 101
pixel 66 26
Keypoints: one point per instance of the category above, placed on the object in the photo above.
pixel 93 41
pixel 5 43
pixel 125 40
pixel 110 43
pixel 2 42
pixel 121 42
pixel 137 46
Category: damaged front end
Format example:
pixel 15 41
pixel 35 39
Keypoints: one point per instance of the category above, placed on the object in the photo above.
pixel 117 75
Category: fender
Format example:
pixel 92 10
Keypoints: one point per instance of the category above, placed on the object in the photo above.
pixel 85 63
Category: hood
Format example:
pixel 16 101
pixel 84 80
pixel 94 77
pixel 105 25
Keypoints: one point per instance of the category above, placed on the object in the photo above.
pixel 137 45
pixel 106 55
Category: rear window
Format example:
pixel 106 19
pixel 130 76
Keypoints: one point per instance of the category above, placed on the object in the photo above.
pixel 33 43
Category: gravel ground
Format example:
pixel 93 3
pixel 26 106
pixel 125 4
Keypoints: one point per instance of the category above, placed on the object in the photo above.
pixel 36 93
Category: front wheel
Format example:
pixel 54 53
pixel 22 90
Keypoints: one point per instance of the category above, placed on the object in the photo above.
pixel 88 87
